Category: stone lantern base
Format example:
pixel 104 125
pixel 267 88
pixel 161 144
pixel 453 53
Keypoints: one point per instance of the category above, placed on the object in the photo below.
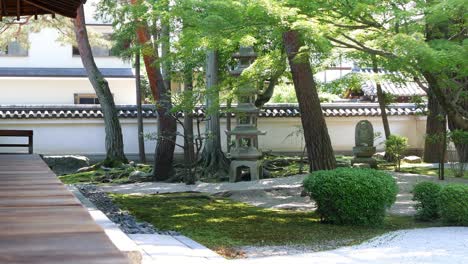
pixel 254 167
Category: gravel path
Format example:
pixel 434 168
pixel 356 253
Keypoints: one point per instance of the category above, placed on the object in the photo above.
pixel 161 187
pixel 440 245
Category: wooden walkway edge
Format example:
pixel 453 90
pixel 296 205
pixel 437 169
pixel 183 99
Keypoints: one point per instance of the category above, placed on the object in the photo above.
pixel 41 222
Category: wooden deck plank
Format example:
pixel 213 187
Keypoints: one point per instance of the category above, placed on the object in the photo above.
pixel 42 222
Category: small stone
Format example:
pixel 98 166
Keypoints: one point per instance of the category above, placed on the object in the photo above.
pixel 105 168
pixel 412 159
pixel 85 169
pixel 361 165
pixel 132 163
pixel 139 176
pixel 379 155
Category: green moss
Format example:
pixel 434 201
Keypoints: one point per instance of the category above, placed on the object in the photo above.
pixel 421 170
pixel 221 223
pixel 84 177
pixel 115 175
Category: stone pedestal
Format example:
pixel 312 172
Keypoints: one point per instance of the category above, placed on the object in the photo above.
pixel 371 161
pixel 254 167
pixel 364 149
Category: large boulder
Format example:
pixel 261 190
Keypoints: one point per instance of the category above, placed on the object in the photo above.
pixel 66 164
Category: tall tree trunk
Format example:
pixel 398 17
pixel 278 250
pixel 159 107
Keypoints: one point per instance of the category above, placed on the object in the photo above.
pixel 435 128
pixel 189 146
pixel 461 147
pixel 144 39
pixel 381 99
pixel 141 139
pixel 213 160
pixel 167 125
pixel 189 150
pixel 317 139
pixel 114 141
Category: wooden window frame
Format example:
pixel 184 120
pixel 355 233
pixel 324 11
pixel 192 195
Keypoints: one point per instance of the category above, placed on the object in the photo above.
pixel 78 96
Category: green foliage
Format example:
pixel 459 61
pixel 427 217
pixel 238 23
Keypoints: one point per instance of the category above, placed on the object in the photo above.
pixel 426 194
pixel 284 93
pixel 458 136
pixel 349 82
pixel 396 146
pixel 453 204
pixel 352 196
pixel 223 224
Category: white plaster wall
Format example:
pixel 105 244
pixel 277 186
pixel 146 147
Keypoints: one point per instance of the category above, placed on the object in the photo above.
pixel 60 90
pixel 45 51
pixel 73 136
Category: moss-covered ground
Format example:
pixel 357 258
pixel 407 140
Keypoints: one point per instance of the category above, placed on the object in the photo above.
pixel 223 224
pixel 112 175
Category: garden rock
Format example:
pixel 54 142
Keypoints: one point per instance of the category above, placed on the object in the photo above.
pixel 379 155
pixel 361 165
pixel 139 176
pixel 412 159
pixel 66 164
pixel 85 169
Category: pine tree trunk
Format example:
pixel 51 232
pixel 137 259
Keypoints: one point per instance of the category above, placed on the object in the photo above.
pixel 435 127
pixel 462 148
pixel 144 39
pixel 189 148
pixel 114 142
pixel 381 99
pixel 167 125
pixel 213 160
pixel 141 139
pixel 317 139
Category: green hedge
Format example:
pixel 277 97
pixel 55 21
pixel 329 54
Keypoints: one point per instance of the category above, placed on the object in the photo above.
pixel 453 204
pixel 351 195
pixel 426 194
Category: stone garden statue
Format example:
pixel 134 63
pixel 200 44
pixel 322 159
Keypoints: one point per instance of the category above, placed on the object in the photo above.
pixel 364 148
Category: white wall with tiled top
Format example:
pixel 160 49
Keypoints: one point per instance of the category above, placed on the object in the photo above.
pixel 86 136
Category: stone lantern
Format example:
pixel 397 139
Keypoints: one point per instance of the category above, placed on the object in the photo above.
pixel 245 154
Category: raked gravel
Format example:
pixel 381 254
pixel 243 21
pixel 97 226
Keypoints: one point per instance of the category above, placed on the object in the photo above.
pixel 441 245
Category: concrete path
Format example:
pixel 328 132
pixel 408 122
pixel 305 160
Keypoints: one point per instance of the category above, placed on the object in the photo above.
pixel 160 249
pixel 150 248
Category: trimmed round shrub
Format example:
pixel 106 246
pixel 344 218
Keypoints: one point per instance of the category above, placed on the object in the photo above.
pixel 352 196
pixel 426 194
pixel 453 204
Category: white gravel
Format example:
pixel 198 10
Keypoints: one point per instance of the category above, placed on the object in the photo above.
pixel 442 245
pixel 161 187
pixel 431 245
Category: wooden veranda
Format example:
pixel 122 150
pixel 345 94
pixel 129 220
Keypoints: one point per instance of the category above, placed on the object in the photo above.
pixel 42 222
